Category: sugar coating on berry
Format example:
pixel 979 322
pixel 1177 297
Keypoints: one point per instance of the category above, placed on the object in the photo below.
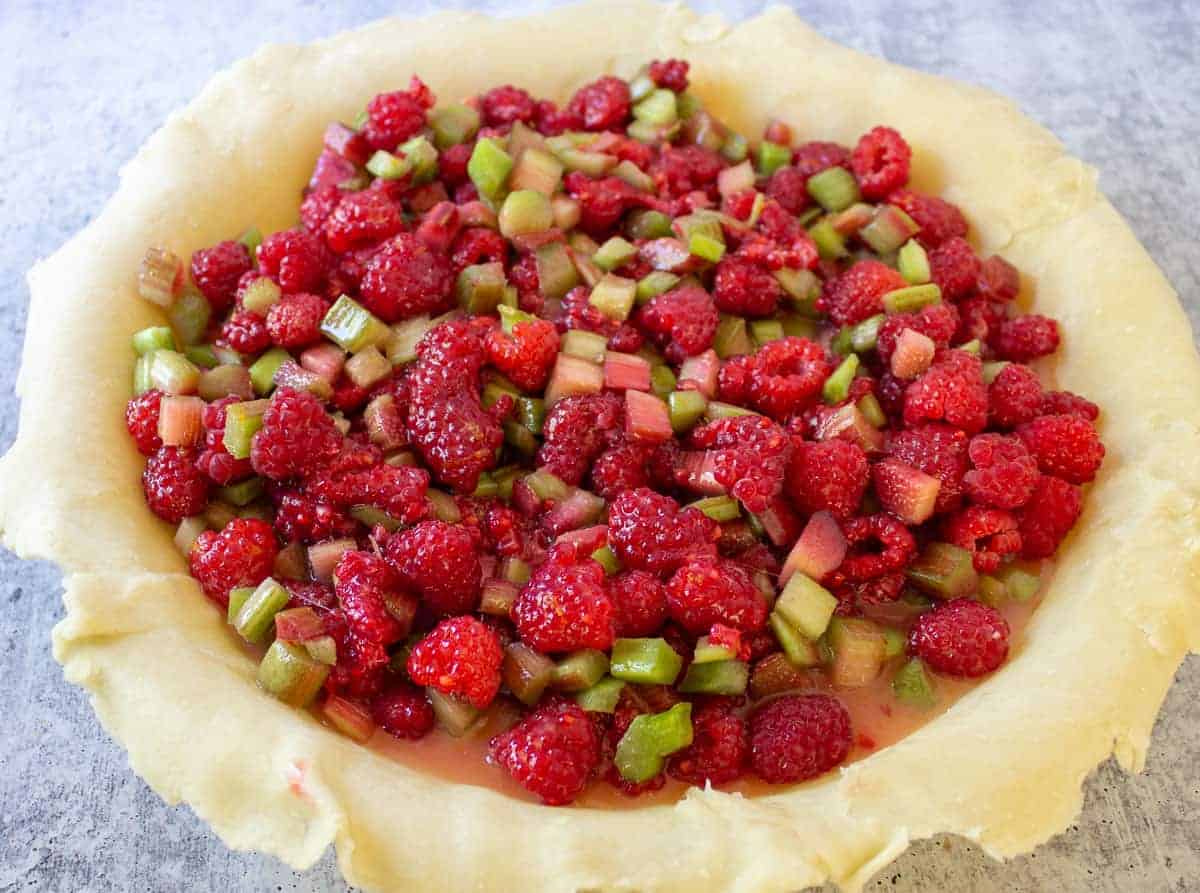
pixel 216 272
pixel 649 531
pixel 460 656
pixel 1065 446
pixel 403 712
pixel 707 590
pixel 1003 474
pixel 438 561
pixel 406 278
pixel 880 162
pixel 295 320
pixel 682 322
pixel 829 475
pixel 720 747
pixel 564 606
pixel 141 418
pixel 297 436
pixel 175 488
pixel 366 587
pixel 552 752
pixel 856 294
pixel 960 637
pixel 241 554
pixel 798 737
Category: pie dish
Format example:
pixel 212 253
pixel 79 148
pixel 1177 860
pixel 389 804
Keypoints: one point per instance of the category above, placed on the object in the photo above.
pixel 1003 766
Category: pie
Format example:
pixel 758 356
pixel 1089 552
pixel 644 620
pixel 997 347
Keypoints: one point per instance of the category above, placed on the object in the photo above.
pixel 669 447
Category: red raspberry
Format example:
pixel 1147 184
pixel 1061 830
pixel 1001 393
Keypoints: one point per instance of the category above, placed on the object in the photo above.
pixel 504 105
pixel 745 288
pixel 1004 474
pixel 403 712
pixel 1048 516
pixel 300 518
pixel 829 475
pixel 857 294
pixel 1066 403
pixel 622 468
pixel 670 74
pixel 787 377
pixel 405 278
pixel 639 603
pixel 479 245
pixel 880 591
pixel 1026 338
pixel 455 436
pixel 439 561
pixel 683 169
pixel 368 592
pixel 362 218
pixel 601 202
pixel 952 390
pixel 453 353
pixel 720 747
pixel 937 450
pixel 398 490
pixel 649 532
pixel 215 460
pixel 317 596
pixel 361 668
pixel 798 737
pixel 564 606
pixel 505 530
pixel 978 319
pixel 295 259
pixel 1014 396
pixel 552 752
pixel 297 436
pixel 295 321
pixel 987 533
pixel 141 418
pixel 175 489
pixel 394 117
pixel 461 656
pixel 960 638
pixel 318 205
pixel 1065 446
pixel 880 162
pixel 781 241
pixel 939 220
pixel 526 356
pixel 579 313
pixel 577 430
pixel 788 187
pixel 707 590
pixel 954 267
pixel 938 323
pixel 452 165
pixel 891 547
pixel 602 104
pixel 736 379
pixel 246 333
pixel 812 158
pixel 216 272
pixel 998 279
pixel 242 554
pixel 749 457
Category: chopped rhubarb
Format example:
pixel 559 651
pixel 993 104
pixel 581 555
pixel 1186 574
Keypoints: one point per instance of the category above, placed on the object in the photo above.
pixel 735 179
pixel 580 509
pixel 702 371
pixel 650 739
pixel 626 372
pixel 180 421
pixel 579 671
pixel 572 376
pixel 323 557
pixel 944 570
pixel 858 651
pixel 526 673
pixel 807 605
pixel 585 346
pixel 724 677
pixel 645 661
pixel 848 423
pixel 288 672
pixel 601 697
pixel 906 492
pixel 351 719
pixel 298 625
pixel 820 549
pixel 160 276
pixel 647 417
pixel 913 354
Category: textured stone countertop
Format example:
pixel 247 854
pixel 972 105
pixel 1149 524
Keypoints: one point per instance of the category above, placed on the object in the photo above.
pixel 84 83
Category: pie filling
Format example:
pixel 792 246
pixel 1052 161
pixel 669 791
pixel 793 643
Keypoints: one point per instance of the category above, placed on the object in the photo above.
pixel 601 446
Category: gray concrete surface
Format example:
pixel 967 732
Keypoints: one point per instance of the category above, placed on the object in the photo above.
pixel 83 83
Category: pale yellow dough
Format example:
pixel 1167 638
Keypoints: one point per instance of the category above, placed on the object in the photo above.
pixel 1003 766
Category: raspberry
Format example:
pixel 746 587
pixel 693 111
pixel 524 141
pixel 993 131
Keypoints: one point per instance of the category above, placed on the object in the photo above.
pixel 504 530
pixel 895 547
pixel 719 750
pixel 960 638
pixel 403 712
pixel 455 436
pixel 788 375
pixel 246 333
pixel 241 554
pixel 829 475
pixel 735 380
pixel 551 752
pixel 998 280
pixel 141 418
pixel 564 606
pixel 398 490
pixel 460 656
pixel 438 561
pixel 880 162
pixel 650 532
pixel 938 322
pixel 1048 516
pixel 296 438
pixel 405 279
pixel 368 591
pixel 551 121
pixel 1026 338
pixel 175 489
pixel 856 294
pixel 780 242
pixel 954 267
pixel 939 220
pixel 749 457
pixel 745 288
pixel 1065 446
pixel 215 460
pixel 683 169
pixel 1004 473
pixel 577 430
pixel 394 117
pixel 601 202
pixel 317 596
pixel 1014 396
pixel 601 105
pixel 937 450
pixel 478 245
pixel 216 272
pixel 978 319
pixel 1066 403
pixel 670 74
pixel 295 321
pixel 299 518
pixel 452 165
pixel 526 356
pixel 318 205
pixel 362 218
pixel 453 353
pixel 639 603
pixel 952 390
pixel 504 105
pixel 798 737
pixel 361 667
pixel 707 590
pixel 812 158
pixel 788 187
pixel 621 468
pixel 579 313
pixel 880 591
pixel 295 259
pixel 987 533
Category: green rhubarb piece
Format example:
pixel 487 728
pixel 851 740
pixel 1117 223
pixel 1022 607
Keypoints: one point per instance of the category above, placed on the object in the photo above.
pixel 511 316
pixel 594 164
pixel 480 287
pixel 525 211
pixel 944 570
pixel 373 516
pixel 650 739
pixel 189 316
pixel 802 288
pixel 262 370
pixel 706 246
pixel 991 591
pixel 261 295
pixel 797 326
pixel 402 344
pixel 202 355
pixel 843 341
pixel 584 345
pixel 719 508
pixel 173 373
pixel 800 651
pixel 686 409
pixel 654 284
pixel 488 168
pixel 732 338
pixel 579 671
pixel 913 262
pixel 218 514
pixel 516 570
pixel 291 674
pixel 662 381
pixel 453 124
pixel 1021 584
pixel 659 107
pixel 154 338
pixel 613 296
pixel 718 410
pixel 735 148
pixel 972 347
pixel 455 715
pixel 831 244
pixel 616 252
pixel 895 643
pixel 649 133
pixel 724 677
pixel 257 615
pixel 387 166
pixel 547 486
pixel 505 478
pixel 688 104
pixel 531 411
pixel 837 386
pixel 422 159
pixel 912 685
pixel 858 651
pixel 323 649
pixel 634 176
pixel 607 559
pixel 645 661
pixel 764 331
pixel 770 157
pixel 251 237
pixel 865 336
pixel 868 405
pixel 807 605
pixel 641 86
pixel 352 327
pixel 601 697
pixel 648 224
pixel 912 298
pixel 242 421
pixel 442 506
pixel 536 169
pixel 834 189
pixel 242 493
pixel 706 652
pixel 520 438
pixel 487 487
pixel 557 273
pixel 991 370
pixel 238 596
pixel 888 230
